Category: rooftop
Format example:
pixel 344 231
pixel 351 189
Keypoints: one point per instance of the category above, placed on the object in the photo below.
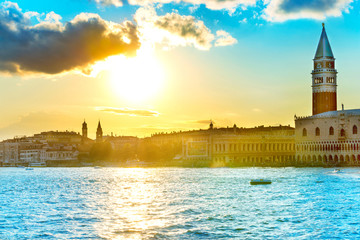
pixel 323 49
pixel 330 114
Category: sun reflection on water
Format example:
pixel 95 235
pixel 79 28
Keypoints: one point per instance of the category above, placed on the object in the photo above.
pixel 132 207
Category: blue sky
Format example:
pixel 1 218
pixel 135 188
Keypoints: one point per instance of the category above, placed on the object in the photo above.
pixel 246 62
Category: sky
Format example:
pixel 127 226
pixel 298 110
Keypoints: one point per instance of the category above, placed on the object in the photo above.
pixel 149 66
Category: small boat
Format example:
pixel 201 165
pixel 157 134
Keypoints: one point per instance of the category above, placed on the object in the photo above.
pixel 260 181
pixel 29 168
pixel 97 167
pixel 337 170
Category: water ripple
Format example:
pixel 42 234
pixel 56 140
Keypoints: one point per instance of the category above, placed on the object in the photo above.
pixel 178 203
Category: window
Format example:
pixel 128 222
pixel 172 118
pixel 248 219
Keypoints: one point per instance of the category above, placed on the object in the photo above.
pixel 354 129
pixel 318 80
pixel 342 133
pixel 330 79
pixel 331 131
pixel 304 132
pixel 317 131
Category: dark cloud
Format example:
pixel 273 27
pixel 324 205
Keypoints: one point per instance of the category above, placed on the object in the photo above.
pixel 203 121
pixel 315 5
pixel 51 47
pixel 128 111
pixel 282 10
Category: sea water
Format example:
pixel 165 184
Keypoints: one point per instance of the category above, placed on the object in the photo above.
pixel 179 203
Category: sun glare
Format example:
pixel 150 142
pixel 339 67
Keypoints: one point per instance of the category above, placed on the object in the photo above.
pixel 136 79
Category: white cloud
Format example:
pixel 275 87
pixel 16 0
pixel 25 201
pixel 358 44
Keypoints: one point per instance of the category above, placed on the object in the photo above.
pixel 129 111
pixel 211 4
pixel 244 20
pixel 173 29
pixel 193 8
pixel 116 3
pixel 224 39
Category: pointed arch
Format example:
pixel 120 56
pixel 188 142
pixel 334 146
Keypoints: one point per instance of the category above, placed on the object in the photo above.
pixel 355 130
pixel 331 131
pixel 317 131
pixel 304 133
pixel 342 133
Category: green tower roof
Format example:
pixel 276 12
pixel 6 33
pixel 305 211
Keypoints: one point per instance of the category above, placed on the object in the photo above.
pixel 324 49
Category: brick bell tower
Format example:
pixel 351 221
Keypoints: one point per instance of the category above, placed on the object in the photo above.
pixel 324 77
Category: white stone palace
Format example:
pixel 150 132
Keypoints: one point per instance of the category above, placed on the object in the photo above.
pixel 328 137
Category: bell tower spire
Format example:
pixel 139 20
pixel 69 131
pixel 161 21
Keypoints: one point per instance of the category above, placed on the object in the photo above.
pixel 324 77
pixel 84 131
pixel 99 133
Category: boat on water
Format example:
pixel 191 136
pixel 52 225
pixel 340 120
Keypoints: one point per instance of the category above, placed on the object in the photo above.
pixel 260 181
pixel 29 168
pixel 337 170
pixel 97 167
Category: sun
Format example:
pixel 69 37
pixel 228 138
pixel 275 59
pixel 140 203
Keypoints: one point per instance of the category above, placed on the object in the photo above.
pixel 136 79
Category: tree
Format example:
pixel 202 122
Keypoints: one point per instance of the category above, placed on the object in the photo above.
pixel 101 151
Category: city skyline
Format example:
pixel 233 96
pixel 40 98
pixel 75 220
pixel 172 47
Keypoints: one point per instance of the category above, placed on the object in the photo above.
pixel 192 63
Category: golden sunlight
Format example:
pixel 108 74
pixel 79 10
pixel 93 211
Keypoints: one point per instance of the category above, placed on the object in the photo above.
pixel 136 79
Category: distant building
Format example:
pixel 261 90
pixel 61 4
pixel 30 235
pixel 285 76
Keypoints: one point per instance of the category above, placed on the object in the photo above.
pixel 211 126
pixel 99 133
pixel 328 137
pixel 31 153
pixel 11 153
pixel 84 132
pixel 26 150
pixel 59 137
pixel 1 154
pixel 257 146
pixel 120 142
pixel 61 154
pixel 19 151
